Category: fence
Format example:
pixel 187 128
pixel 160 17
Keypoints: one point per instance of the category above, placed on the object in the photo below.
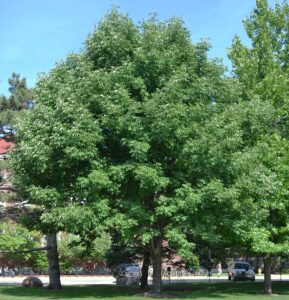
pixel 23 270
pixel 102 271
pixel 188 273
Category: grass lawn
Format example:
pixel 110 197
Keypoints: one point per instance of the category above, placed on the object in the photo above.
pixel 201 291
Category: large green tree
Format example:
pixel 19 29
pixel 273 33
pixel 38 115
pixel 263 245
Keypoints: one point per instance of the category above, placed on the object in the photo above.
pixel 249 164
pixel 109 131
pixel 150 99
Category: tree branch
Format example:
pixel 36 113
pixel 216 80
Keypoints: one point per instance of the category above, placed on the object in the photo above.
pixel 280 120
pixel 25 251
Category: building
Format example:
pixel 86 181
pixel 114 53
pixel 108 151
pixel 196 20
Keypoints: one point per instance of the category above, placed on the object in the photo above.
pixel 7 191
pixel 5 148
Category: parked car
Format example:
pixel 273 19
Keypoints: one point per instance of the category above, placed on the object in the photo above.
pixel 127 274
pixel 240 270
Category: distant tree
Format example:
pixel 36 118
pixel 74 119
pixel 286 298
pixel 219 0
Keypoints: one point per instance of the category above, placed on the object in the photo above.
pixel 20 97
pixel 20 94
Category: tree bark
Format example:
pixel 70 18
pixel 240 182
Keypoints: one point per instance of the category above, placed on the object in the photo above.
pixel 145 270
pixel 53 262
pixel 156 255
pixel 267 275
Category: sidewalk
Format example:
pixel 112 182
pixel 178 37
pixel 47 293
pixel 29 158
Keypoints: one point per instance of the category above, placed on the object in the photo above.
pixel 65 280
pixel 91 280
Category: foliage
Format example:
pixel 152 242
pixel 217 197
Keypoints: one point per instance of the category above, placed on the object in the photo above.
pixel 109 133
pixel 122 252
pixel 71 250
pixel 142 132
pixel 249 186
pixel 262 68
pixel 48 162
pixel 16 237
pixel 241 154
pixel 263 72
pixel 3 165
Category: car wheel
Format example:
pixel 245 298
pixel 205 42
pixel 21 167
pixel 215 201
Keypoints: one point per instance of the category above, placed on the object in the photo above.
pixel 253 279
pixel 233 277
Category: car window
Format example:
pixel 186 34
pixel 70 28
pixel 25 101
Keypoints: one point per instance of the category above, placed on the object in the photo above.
pixel 132 269
pixel 239 266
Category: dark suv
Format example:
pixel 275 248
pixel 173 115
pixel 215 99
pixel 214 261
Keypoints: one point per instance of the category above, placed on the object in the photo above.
pixel 240 270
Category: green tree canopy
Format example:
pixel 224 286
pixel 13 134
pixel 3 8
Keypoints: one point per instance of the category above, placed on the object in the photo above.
pixel 260 157
pixel 108 135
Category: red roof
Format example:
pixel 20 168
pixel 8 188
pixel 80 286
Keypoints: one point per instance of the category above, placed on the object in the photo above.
pixel 5 146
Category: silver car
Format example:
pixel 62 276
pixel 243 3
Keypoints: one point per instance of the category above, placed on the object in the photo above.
pixel 240 270
pixel 127 274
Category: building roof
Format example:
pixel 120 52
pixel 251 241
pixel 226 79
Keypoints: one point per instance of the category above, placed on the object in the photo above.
pixel 5 146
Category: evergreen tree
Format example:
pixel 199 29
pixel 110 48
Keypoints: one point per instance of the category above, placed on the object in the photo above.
pixel 20 97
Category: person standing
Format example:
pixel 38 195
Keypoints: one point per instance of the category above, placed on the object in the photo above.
pixel 219 269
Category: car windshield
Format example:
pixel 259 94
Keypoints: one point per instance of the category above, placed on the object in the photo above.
pixel 242 266
pixel 132 269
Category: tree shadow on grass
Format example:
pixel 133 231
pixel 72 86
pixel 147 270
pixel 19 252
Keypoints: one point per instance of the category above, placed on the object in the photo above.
pixel 220 290
pixel 230 290
pixel 69 292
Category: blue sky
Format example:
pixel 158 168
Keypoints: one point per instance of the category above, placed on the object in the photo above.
pixel 35 34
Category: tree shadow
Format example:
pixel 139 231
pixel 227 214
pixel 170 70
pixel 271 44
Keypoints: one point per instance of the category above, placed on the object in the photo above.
pixel 180 291
pixel 226 289
pixel 69 292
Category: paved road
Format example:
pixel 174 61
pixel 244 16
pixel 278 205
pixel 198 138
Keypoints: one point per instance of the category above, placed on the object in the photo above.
pixel 90 280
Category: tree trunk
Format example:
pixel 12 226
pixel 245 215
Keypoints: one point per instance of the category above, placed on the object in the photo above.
pixel 145 270
pixel 267 275
pixel 156 255
pixel 53 263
